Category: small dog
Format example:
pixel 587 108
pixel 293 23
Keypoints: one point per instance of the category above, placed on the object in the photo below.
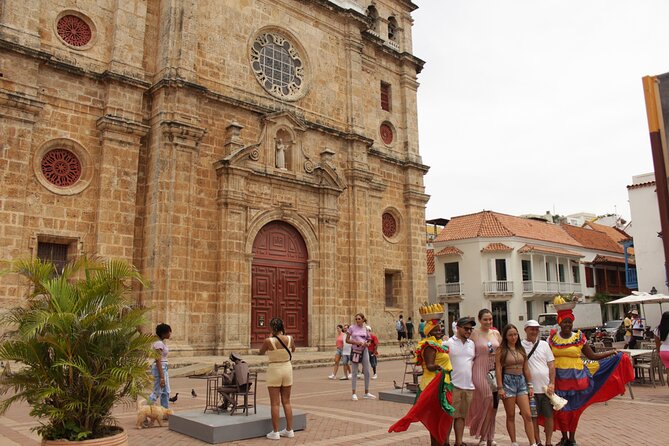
pixel 151 413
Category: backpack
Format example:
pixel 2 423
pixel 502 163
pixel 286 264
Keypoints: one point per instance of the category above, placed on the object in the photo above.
pixel 398 325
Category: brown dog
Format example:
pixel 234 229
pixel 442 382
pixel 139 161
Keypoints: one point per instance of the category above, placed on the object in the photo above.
pixel 151 414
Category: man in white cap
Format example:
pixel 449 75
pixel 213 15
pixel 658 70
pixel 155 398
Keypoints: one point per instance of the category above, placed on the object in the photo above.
pixel 542 368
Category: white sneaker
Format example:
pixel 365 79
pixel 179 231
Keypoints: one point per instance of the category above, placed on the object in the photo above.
pixel 360 376
pixel 287 434
pixel 274 436
pixel 374 377
pixel 350 376
pixel 354 397
pixel 369 396
pixel 514 444
pixel 331 376
pixel 343 378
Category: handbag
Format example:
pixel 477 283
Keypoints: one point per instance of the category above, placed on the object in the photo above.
pixel 492 381
pixel 356 357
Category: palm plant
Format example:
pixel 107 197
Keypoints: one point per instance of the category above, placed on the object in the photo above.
pixel 78 343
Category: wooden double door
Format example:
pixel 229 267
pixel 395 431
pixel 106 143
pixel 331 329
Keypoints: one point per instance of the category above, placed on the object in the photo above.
pixel 279 283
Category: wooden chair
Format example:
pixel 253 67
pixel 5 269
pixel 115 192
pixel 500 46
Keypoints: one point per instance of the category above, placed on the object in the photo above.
pixel 242 389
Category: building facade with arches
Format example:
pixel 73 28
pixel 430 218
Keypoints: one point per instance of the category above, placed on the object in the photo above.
pixel 252 160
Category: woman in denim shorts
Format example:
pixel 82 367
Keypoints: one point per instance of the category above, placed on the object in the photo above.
pixel 513 381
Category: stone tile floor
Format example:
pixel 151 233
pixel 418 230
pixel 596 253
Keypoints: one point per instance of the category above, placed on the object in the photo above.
pixel 333 419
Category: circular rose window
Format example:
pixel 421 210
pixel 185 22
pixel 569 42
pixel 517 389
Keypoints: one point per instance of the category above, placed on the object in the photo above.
pixel 74 30
pixel 389 225
pixel 277 66
pixel 61 167
pixel 386 133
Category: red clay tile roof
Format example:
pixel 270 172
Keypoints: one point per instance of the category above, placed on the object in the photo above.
pixel 608 259
pixel 592 239
pixel 616 234
pixel 493 224
pixel 640 185
pixel 449 250
pixel 430 261
pixel 547 250
pixel 497 247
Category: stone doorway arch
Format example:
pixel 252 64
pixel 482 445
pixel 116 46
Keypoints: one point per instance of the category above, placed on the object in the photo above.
pixel 279 282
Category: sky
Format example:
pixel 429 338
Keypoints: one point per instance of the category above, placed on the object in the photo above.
pixel 528 106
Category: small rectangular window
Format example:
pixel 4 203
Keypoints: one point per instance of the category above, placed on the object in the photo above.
pixel 561 275
pixel 452 270
pixel 589 279
pixel 385 96
pixel 576 273
pixel 527 270
pixel 393 287
pixel 53 252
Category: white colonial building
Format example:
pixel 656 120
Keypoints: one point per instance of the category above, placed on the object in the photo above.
pixel 514 266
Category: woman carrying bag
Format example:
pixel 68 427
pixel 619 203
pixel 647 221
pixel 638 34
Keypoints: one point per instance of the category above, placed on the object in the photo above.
pixel 358 336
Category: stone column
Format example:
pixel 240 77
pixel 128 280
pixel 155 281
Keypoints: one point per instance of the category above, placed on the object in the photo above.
pixel 415 200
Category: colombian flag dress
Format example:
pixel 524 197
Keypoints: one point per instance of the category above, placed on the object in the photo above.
pixel 434 397
pixel 584 384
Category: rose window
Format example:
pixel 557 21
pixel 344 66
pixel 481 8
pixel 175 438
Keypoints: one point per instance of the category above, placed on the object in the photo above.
pixel 389 225
pixel 277 66
pixel 386 133
pixel 61 167
pixel 74 30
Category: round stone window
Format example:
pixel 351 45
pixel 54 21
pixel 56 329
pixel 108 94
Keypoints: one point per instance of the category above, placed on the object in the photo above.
pixel 61 167
pixel 387 134
pixel 278 66
pixel 74 30
pixel 389 224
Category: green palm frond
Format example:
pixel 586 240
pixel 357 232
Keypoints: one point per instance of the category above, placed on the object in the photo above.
pixel 78 340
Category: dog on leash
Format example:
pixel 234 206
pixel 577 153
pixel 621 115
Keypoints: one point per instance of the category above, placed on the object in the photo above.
pixel 149 414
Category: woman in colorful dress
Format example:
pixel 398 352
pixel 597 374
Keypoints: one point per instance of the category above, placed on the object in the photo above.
pixel 482 412
pixel 433 402
pixel 581 385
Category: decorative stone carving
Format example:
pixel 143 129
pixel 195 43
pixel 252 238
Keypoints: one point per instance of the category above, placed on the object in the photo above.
pixel 280 154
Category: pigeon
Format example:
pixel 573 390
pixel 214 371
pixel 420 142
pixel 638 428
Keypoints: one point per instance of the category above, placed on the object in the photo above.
pixel 192 392
pixel 174 398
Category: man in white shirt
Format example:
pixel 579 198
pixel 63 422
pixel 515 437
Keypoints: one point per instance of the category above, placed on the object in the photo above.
pixel 461 351
pixel 542 368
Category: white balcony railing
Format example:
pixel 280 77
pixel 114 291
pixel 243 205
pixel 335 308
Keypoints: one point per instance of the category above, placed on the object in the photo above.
pixel 498 287
pixel 450 289
pixel 550 287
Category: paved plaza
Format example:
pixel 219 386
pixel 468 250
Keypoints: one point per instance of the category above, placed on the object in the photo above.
pixel 333 419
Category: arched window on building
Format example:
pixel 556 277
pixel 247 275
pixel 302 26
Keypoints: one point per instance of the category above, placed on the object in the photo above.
pixel 392 29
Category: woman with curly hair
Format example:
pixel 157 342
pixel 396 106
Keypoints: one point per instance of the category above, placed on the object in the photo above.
pixel 279 348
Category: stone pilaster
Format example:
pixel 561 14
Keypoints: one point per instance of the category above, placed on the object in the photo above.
pixel 120 141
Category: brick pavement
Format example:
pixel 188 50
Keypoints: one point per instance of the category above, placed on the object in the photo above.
pixel 335 420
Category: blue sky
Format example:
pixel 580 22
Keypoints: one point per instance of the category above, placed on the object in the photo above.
pixel 527 106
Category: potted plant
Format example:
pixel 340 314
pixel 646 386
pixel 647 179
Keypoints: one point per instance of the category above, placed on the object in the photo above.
pixel 80 352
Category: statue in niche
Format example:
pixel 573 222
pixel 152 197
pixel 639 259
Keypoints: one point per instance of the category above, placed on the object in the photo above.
pixel 280 154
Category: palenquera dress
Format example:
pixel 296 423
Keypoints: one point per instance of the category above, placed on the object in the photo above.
pixel 434 397
pixel 583 384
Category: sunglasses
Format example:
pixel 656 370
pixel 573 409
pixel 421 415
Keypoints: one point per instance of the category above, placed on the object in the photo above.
pixel 467 328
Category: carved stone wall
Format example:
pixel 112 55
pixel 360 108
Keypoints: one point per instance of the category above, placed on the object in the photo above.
pixel 188 152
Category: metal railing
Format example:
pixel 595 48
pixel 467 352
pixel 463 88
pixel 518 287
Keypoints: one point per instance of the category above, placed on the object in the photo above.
pixel 550 287
pixel 498 287
pixel 450 289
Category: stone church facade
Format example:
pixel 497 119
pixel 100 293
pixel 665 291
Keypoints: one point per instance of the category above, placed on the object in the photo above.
pixel 253 159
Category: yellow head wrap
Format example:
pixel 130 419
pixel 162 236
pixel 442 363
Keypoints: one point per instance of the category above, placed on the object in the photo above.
pixel 429 325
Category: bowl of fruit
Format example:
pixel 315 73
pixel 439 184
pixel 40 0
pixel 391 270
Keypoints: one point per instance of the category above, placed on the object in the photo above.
pixel 565 302
pixel 429 312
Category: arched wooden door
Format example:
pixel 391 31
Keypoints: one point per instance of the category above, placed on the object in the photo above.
pixel 279 282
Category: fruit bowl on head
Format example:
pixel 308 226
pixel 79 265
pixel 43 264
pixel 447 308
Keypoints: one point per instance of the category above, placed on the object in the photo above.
pixel 565 306
pixel 431 316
